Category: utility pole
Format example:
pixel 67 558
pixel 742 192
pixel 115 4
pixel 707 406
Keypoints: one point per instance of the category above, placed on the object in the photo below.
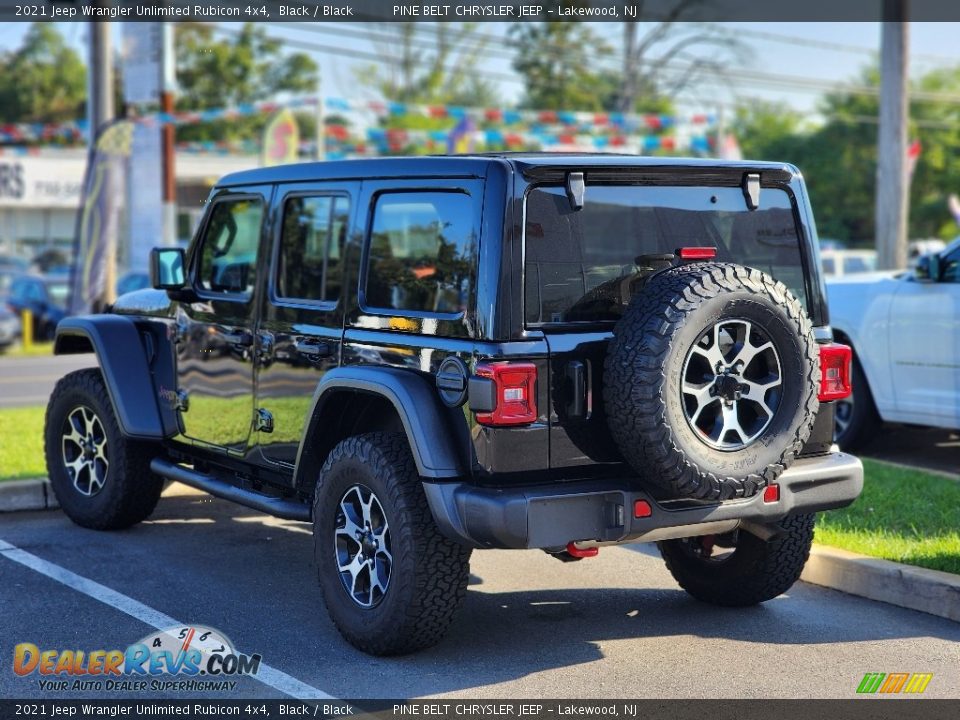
pixel 100 111
pixel 100 108
pixel 167 87
pixel 892 199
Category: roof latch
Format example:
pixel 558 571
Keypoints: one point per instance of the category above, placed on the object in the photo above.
pixel 751 190
pixel 576 189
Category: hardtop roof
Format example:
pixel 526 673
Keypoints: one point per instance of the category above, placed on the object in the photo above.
pixel 477 165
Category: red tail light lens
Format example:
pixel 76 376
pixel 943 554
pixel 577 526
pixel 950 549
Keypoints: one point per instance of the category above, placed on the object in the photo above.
pixel 835 362
pixel 697 253
pixel 515 386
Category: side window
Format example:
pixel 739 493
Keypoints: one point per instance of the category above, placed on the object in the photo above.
pixel 422 252
pixel 309 262
pixel 951 268
pixel 228 252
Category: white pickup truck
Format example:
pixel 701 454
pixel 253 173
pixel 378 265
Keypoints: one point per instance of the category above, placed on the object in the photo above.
pixel 904 328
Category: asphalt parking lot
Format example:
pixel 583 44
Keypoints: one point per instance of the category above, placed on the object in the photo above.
pixel 531 627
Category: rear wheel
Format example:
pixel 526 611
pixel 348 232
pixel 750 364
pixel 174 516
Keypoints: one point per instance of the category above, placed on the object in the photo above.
pixel 102 479
pixel 739 569
pixel 391 582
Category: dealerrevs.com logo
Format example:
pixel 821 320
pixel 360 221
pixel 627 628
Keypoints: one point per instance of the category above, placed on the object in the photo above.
pixel 179 658
pixel 894 683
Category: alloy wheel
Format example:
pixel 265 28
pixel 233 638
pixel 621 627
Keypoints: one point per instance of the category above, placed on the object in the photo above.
pixel 362 546
pixel 84 450
pixel 731 385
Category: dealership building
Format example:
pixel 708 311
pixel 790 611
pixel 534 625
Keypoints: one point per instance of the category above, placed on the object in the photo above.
pixel 40 195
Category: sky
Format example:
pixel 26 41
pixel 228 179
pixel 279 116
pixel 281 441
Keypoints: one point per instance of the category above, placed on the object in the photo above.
pixel 819 52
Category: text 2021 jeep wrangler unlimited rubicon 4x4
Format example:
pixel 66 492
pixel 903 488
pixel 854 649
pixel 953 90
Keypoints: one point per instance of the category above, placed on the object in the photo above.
pixel 426 356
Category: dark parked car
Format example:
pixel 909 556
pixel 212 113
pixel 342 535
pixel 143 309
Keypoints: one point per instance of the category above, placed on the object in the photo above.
pixel 43 295
pixel 426 356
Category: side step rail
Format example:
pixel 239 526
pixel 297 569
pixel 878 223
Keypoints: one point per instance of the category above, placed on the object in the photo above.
pixel 278 507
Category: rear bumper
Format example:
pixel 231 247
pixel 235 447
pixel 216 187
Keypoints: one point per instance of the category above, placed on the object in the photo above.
pixel 550 516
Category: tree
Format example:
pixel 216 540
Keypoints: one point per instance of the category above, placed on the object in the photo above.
pixel 44 80
pixel 558 62
pixel 247 68
pixel 440 70
pixel 650 48
pixel 839 157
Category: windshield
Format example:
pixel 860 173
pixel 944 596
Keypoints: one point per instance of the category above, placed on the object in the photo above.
pixel 583 265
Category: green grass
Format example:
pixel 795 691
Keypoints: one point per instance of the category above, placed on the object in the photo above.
pixel 21 443
pixel 908 516
pixel 36 350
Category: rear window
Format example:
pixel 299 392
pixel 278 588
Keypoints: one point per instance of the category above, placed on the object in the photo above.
pixel 583 265
pixel 422 253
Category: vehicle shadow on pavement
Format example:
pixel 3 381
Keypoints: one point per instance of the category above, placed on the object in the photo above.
pixel 251 576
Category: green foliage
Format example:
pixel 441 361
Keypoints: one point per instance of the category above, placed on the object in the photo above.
pixel 438 72
pixel 557 61
pixel 42 81
pixel 247 68
pixel 839 158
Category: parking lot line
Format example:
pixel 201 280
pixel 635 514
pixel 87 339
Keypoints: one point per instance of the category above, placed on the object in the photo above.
pixel 267 675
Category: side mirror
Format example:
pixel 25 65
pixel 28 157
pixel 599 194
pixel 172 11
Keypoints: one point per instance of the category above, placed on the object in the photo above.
pixel 927 268
pixel 166 268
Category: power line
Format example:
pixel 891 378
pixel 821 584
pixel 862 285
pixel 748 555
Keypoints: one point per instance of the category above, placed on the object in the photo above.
pixel 734 74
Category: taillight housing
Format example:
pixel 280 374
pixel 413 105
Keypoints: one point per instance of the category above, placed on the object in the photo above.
pixel 515 386
pixel 835 362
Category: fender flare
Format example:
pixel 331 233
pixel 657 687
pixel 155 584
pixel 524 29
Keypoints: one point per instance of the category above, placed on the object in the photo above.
pixel 123 361
pixel 427 427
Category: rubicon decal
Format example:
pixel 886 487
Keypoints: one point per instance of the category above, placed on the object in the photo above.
pixel 180 651
pixel 892 683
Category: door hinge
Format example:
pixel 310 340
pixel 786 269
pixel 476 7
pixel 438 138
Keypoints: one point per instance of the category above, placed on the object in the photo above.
pixel 264 421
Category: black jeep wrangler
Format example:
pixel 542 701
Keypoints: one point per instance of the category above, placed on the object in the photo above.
pixel 425 356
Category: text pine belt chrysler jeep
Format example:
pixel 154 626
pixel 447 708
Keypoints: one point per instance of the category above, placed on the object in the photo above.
pixel 423 356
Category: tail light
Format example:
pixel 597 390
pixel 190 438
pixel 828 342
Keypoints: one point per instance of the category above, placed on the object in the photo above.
pixel 835 362
pixel 514 388
pixel 697 253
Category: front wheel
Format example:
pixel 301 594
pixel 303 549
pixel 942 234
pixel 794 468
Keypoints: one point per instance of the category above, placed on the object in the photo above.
pixel 739 569
pixel 390 580
pixel 102 479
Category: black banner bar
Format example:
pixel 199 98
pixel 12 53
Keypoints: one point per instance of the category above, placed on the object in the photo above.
pixel 872 708
pixel 312 11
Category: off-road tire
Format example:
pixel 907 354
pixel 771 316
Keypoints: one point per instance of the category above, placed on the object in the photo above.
pixel 864 420
pixel 645 361
pixel 429 573
pixel 755 572
pixel 130 490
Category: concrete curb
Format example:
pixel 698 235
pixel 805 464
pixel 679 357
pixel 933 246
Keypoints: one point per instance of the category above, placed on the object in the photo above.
pixel 929 591
pixel 34 494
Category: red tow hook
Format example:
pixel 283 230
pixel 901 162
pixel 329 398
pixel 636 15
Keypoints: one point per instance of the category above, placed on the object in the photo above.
pixel 579 553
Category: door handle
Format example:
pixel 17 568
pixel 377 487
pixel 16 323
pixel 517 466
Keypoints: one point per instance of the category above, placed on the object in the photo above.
pixel 243 339
pixel 313 348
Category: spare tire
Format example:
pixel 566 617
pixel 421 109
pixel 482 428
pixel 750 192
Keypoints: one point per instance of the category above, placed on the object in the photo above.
pixel 710 381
